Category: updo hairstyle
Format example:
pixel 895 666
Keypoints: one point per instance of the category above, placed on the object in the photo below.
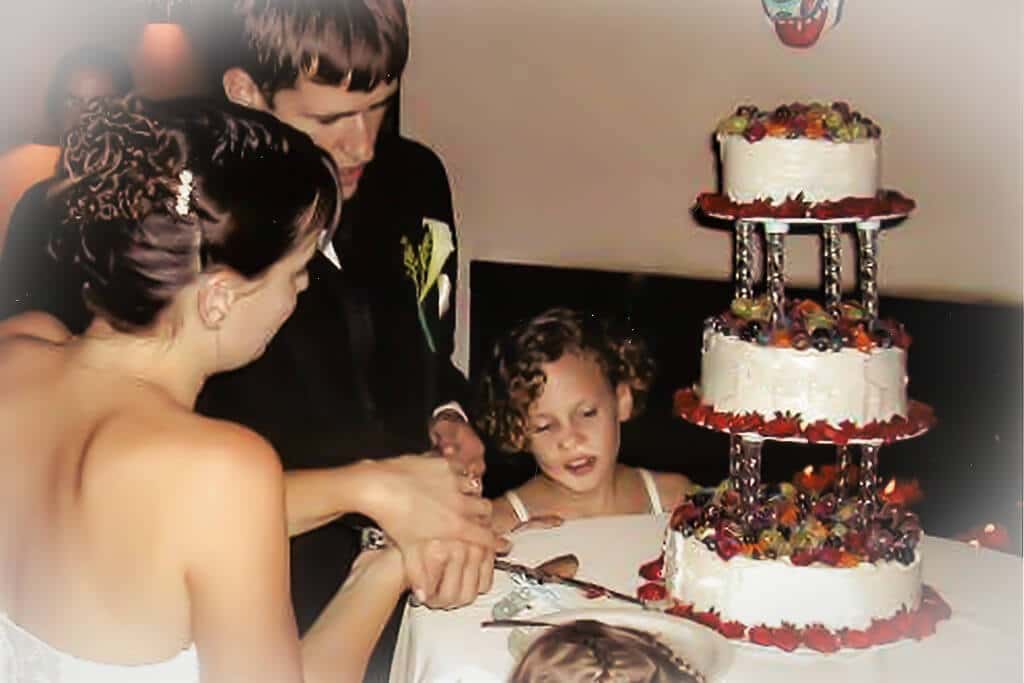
pixel 256 188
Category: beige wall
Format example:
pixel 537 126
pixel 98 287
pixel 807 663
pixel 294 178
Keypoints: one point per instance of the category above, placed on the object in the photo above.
pixel 576 132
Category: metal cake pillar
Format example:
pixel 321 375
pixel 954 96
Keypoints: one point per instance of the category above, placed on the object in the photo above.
pixel 743 270
pixel 867 238
pixel 831 253
pixel 775 244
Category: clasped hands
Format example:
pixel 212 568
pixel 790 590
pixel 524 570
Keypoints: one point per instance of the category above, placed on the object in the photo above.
pixel 437 517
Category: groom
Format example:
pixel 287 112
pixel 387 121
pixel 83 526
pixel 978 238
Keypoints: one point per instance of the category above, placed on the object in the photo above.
pixel 362 369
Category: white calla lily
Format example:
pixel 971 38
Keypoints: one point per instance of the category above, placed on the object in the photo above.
pixel 442 247
pixel 444 294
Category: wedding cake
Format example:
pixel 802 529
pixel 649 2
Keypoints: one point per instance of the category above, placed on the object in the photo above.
pixel 827 561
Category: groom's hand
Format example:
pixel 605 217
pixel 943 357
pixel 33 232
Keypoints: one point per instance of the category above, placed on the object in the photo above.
pixel 456 440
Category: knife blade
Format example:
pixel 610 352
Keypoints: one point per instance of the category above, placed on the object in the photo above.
pixel 541 576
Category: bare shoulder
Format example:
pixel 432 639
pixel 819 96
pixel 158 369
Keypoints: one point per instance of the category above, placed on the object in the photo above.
pixel 672 488
pixel 34 324
pixel 191 465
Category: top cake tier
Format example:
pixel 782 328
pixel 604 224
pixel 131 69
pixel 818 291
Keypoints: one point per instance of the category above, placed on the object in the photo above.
pixel 814 153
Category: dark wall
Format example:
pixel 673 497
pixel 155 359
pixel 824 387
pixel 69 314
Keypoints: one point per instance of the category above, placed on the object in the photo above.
pixel 965 361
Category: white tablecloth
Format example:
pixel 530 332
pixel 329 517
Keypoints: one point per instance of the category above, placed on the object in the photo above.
pixel 982 643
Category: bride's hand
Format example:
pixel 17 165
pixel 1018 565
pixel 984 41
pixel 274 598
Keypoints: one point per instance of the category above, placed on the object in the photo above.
pixel 416 498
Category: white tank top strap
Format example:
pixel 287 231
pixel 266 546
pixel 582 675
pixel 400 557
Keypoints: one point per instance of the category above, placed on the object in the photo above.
pixel 517 504
pixel 652 490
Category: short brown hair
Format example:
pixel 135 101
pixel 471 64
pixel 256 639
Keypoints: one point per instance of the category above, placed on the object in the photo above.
pixel 514 378
pixel 356 43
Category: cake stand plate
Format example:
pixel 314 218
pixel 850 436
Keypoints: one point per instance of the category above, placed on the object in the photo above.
pixel 814 221
pixel 804 440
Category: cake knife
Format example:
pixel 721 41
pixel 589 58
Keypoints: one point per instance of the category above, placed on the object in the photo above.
pixel 542 576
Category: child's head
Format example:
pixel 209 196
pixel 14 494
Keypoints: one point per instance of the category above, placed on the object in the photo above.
pixel 559 385
pixel 587 650
pixel 163 197
pixel 327 67
pixel 83 75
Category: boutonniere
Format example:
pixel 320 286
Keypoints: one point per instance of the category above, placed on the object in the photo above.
pixel 423 264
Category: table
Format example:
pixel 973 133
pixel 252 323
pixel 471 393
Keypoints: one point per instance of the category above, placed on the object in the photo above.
pixel 982 642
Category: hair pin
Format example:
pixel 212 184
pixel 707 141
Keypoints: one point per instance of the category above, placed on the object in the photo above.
pixel 184 192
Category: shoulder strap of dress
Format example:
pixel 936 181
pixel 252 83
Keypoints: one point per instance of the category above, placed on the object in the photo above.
pixel 652 490
pixel 517 504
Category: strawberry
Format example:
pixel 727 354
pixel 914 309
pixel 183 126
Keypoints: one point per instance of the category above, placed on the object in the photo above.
pixel 781 426
pixel 745 423
pixel 828 555
pixel 592 593
pixel 709 618
pixel 682 515
pixel 786 637
pixel 718 421
pixel 681 609
pixel 802 558
pixel 655 569
pixel 685 400
pixel 904 622
pixel 819 638
pixel 728 547
pixel 760 635
pixel 652 592
pixel 820 431
pixel 700 414
pixel 882 631
pixel 732 629
pixel 922 625
pixel 855 639
pixel 854 542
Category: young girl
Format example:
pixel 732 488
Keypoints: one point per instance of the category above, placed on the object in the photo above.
pixel 559 386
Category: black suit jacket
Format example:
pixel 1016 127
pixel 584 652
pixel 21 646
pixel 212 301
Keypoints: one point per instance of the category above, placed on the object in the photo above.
pixel 350 375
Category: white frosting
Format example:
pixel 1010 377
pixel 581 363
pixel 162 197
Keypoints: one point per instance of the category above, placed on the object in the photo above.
pixel 776 168
pixel 744 377
pixel 769 592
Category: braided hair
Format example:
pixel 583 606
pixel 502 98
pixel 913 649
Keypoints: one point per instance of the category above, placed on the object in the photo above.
pixel 154 193
pixel 589 650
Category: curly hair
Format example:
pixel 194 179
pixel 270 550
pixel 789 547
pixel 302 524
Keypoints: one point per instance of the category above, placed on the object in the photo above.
pixel 589 650
pixel 358 43
pixel 515 379
pixel 258 189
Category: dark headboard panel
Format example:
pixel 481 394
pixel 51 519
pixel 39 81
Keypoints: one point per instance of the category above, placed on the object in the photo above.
pixel 966 361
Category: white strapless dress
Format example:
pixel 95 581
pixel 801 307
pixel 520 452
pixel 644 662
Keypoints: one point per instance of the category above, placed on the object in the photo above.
pixel 27 659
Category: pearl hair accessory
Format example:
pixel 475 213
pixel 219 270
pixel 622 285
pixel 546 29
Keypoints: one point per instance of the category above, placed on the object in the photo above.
pixel 184 192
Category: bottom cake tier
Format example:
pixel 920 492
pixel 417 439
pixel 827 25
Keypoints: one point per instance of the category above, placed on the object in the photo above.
pixel 767 592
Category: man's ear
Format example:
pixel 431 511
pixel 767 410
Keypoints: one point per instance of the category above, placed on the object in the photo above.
pixel 216 297
pixel 624 396
pixel 241 89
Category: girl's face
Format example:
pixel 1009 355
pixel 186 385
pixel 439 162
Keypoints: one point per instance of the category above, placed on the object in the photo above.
pixel 574 424
pixel 261 311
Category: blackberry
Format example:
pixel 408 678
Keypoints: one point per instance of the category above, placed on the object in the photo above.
pixel 833 542
pixel 904 555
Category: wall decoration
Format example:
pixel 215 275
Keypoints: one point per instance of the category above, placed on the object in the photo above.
pixel 800 23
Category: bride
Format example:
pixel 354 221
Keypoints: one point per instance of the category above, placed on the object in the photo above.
pixel 138 540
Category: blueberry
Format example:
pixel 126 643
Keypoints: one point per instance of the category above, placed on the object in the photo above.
pixel 837 342
pixel 833 542
pixel 786 532
pixel 710 543
pixel 750 331
pixel 882 338
pixel 904 555
pixel 750 539
pixel 782 113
